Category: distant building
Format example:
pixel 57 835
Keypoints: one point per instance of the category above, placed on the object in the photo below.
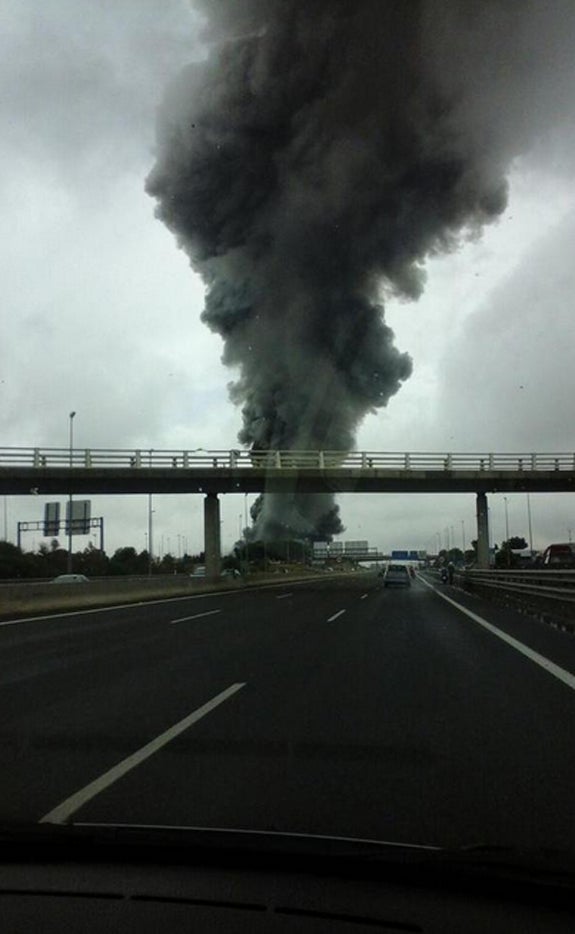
pixel 353 548
pixel 336 548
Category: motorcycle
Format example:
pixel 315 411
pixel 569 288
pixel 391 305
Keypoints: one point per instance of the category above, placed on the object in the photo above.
pixel 444 575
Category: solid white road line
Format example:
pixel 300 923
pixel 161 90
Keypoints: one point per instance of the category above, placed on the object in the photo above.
pixel 565 676
pixel 184 619
pixel 335 616
pixel 61 813
pixel 282 596
pixel 363 596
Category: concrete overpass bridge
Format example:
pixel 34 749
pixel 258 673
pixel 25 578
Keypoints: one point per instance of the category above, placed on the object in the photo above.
pixel 52 471
pixel 371 555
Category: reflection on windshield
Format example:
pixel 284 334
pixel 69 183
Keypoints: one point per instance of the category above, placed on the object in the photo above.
pixel 322 585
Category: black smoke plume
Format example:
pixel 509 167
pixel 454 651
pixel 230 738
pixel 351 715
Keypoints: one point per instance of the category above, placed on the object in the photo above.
pixel 311 163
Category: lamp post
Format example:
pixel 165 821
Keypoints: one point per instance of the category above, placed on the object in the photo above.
pixel 241 543
pixel 150 540
pixel 71 448
pixel 507 533
pixel 463 536
pixel 529 524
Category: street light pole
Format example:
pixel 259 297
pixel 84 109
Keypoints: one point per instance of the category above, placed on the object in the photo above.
pixel 529 523
pixel 507 533
pixel 150 541
pixel 71 448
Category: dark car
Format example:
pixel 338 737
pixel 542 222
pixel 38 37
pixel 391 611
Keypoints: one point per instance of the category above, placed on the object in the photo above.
pixel 559 556
pixel 396 575
pixel 70 579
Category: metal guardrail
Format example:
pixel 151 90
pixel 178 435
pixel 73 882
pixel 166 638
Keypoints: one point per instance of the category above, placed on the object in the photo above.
pixel 548 594
pixel 87 458
pixel 554 585
pixel 32 581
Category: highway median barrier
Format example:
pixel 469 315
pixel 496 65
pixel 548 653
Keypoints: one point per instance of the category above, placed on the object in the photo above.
pixel 25 599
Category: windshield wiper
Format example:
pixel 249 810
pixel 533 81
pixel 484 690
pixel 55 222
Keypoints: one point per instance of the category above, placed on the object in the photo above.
pixel 517 857
pixel 227 844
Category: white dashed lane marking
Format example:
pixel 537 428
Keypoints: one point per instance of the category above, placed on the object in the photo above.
pixel 184 619
pixel 63 811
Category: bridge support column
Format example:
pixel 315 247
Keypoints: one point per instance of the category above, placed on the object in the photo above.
pixel 482 531
pixel 212 535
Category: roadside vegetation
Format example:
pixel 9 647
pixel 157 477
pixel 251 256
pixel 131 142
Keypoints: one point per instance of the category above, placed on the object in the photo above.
pixel 50 560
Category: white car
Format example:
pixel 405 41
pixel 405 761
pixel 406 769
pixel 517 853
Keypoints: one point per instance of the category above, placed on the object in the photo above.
pixel 70 579
pixel 396 575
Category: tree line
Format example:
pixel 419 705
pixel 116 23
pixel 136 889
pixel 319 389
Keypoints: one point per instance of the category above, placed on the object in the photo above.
pixel 51 560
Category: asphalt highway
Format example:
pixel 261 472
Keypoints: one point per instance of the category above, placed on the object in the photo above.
pixel 418 715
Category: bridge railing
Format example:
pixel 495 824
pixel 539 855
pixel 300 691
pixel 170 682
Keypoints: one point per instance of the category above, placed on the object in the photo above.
pixel 198 458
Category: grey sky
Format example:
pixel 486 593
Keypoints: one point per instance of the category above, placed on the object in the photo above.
pixel 101 309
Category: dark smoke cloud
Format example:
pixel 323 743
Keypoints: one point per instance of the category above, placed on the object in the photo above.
pixel 316 517
pixel 321 152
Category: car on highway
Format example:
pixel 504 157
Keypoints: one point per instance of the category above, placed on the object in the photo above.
pixel 70 579
pixel 396 575
pixel 559 556
pixel 200 572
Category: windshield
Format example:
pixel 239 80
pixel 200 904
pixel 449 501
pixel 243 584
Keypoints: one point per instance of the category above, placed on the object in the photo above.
pixel 288 312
